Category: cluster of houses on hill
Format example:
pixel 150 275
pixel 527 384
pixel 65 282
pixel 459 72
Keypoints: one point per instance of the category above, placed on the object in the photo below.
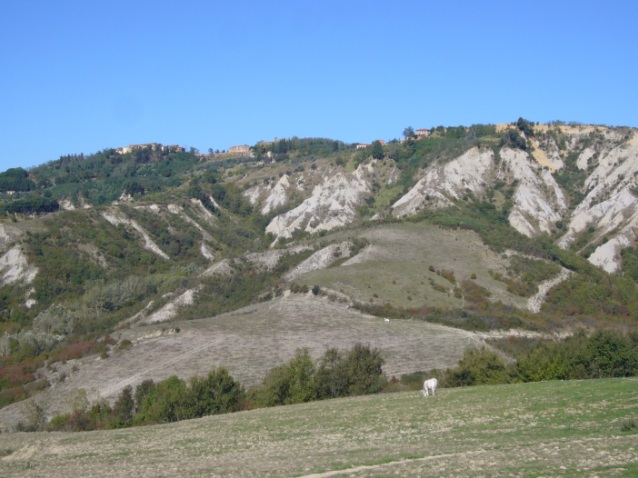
pixel 243 149
pixel 173 148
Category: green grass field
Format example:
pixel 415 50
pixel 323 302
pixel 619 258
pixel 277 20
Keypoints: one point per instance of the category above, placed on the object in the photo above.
pixel 395 268
pixel 576 428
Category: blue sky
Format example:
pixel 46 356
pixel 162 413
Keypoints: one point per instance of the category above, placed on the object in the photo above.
pixel 81 76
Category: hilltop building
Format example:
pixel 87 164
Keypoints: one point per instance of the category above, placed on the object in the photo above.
pixel 154 146
pixel 241 149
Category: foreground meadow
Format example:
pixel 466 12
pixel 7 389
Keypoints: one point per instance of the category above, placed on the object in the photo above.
pixel 575 428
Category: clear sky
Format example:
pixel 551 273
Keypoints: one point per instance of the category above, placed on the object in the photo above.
pixel 81 76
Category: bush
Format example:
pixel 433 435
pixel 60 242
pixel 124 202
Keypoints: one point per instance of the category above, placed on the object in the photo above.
pixel 603 354
pixel 356 372
pixel 479 367
pixel 526 127
pixel 124 408
pixel 170 400
pixel 629 426
pixel 331 377
pixel 163 403
pixel 216 393
pixel 363 370
pixel 294 382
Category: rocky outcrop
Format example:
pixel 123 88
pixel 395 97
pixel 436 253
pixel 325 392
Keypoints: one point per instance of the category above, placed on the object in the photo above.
pixel 610 207
pixel 443 184
pixel 14 267
pixel 274 194
pixel 538 202
pixel 332 204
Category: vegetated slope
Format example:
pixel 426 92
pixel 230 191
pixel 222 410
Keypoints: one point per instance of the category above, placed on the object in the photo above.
pixel 413 265
pixel 548 182
pixel 463 228
pixel 537 429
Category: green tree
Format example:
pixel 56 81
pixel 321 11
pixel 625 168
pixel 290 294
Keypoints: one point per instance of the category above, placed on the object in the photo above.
pixel 302 375
pixel 163 403
pixel 363 370
pixel 542 362
pixel 516 140
pixel 275 389
pixel 409 133
pixel 293 382
pixel 479 367
pixel 526 127
pixel 216 393
pixel 377 150
pixel 15 179
pixel 124 408
pixel 611 355
pixel 331 377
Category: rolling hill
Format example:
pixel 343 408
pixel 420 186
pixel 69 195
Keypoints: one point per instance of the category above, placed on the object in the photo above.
pixel 142 262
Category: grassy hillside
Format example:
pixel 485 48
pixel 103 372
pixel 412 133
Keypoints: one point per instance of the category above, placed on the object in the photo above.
pixel 576 428
pixel 95 248
pixel 404 265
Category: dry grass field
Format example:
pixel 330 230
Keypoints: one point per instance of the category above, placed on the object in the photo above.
pixel 248 342
pixel 576 428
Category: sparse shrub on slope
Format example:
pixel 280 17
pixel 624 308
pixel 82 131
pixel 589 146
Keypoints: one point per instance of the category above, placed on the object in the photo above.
pixel 525 274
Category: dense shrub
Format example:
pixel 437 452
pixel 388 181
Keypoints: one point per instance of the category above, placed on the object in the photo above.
pixel 169 400
pixel 526 127
pixel 602 354
pixel 15 179
pixel 337 374
pixel 479 367
pixel 216 393
pixel 31 205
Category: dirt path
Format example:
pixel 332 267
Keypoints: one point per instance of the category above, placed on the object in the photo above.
pixel 358 469
pixel 535 302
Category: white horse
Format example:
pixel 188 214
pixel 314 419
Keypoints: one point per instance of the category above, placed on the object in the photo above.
pixel 431 385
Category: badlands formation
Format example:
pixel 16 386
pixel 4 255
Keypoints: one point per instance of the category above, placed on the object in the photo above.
pixel 609 158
